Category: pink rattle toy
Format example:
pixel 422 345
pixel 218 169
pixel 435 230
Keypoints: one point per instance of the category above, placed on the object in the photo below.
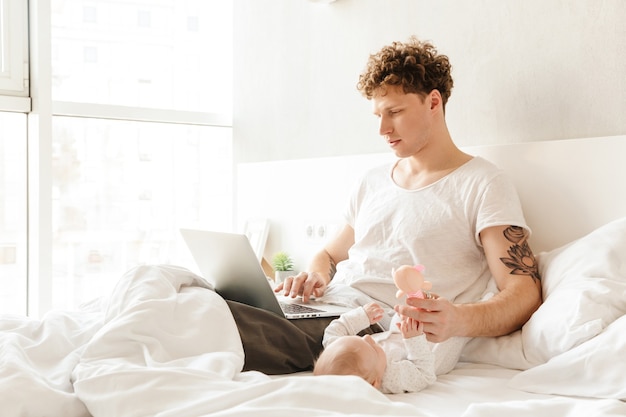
pixel 410 282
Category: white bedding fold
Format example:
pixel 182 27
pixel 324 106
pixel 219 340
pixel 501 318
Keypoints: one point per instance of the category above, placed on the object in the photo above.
pixel 165 334
pixel 561 407
pixel 165 344
pixel 36 358
pixel 170 347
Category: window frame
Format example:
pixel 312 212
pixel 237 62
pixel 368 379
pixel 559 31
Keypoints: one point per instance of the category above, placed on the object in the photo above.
pixel 14 75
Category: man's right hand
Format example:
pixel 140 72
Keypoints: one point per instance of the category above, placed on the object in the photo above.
pixel 305 284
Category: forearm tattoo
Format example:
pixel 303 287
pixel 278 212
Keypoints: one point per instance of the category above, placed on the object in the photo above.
pixel 521 260
pixel 333 267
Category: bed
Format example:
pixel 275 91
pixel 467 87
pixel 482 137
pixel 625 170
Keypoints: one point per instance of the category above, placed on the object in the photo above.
pixel 164 344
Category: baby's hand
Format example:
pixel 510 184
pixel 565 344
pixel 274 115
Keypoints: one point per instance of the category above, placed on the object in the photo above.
pixel 410 327
pixel 374 312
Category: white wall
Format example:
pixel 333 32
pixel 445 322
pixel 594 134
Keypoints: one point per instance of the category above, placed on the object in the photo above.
pixel 524 70
pixel 315 200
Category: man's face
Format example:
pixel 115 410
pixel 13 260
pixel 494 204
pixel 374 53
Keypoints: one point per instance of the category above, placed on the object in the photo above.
pixel 405 119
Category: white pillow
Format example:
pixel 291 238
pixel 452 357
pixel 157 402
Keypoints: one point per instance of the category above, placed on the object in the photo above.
pixel 584 290
pixel 595 368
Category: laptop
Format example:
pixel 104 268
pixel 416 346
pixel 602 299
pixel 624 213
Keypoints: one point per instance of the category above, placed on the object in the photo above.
pixel 228 261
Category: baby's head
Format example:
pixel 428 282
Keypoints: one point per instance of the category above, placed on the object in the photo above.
pixel 353 355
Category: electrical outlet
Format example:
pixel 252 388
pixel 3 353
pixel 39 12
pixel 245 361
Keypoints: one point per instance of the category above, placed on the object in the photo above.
pixel 315 231
pixel 320 232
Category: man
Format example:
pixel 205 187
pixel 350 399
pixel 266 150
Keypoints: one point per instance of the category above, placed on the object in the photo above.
pixel 457 215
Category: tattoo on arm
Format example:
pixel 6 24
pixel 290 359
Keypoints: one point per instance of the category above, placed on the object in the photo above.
pixel 333 268
pixel 521 260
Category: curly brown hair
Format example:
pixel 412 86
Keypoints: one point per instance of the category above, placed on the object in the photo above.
pixel 414 65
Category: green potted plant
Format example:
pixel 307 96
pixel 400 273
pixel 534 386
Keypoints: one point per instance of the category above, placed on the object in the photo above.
pixel 283 266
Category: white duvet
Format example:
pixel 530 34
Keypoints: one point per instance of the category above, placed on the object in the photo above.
pixel 165 344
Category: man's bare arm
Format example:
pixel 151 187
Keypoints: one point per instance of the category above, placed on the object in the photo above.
pixel 321 269
pixel 515 270
pixel 514 267
pixel 335 251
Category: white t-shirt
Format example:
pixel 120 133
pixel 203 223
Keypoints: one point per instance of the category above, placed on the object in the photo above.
pixel 437 226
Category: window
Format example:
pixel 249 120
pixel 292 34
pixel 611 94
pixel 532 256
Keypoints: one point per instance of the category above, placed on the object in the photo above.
pixel 141 136
pixel 132 132
pixel 122 189
pixel 165 54
pixel 13 283
pixel 13 187
pixel 144 18
pixel 90 14
pixel 14 56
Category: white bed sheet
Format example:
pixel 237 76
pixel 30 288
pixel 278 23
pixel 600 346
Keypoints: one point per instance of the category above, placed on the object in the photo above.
pixel 165 344
pixel 468 384
pixel 481 390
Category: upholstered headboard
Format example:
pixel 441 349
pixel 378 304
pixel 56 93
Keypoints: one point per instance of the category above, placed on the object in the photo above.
pixel 567 187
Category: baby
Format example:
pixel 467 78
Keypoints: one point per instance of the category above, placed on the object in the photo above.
pixel 395 361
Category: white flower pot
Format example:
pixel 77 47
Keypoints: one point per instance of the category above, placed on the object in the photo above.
pixel 279 276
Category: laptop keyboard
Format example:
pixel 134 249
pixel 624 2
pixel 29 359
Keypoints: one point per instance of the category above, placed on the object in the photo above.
pixel 289 308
